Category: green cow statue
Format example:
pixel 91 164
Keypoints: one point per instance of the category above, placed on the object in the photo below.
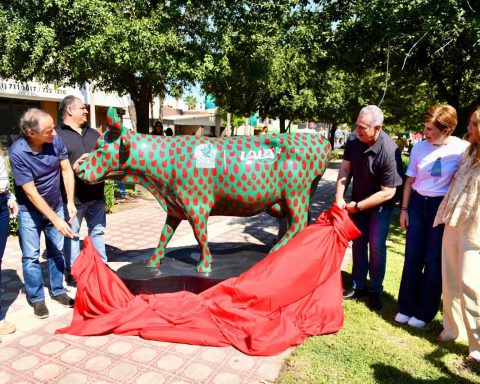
pixel 194 179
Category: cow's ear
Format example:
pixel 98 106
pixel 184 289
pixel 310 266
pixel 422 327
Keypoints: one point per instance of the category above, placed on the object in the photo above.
pixel 113 121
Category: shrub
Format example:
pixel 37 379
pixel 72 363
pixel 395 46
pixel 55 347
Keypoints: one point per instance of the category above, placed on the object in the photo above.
pixel 401 143
pixel 109 195
pixel 337 154
pixel 405 160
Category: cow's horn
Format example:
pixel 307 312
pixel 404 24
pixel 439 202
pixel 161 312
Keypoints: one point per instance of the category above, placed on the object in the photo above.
pixel 113 120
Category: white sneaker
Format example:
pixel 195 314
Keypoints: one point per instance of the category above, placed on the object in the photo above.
pixel 417 323
pixel 401 318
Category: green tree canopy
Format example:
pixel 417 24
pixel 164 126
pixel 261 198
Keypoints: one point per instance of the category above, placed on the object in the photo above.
pixel 190 101
pixel 137 47
pixel 430 47
pixel 292 59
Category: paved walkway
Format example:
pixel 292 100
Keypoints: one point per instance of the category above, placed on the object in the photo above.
pixel 34 354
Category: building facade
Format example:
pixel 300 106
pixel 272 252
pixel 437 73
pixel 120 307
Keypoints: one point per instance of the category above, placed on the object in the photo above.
pixel 16 97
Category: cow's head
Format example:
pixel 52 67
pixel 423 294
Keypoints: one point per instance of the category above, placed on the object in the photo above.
pixel 108 158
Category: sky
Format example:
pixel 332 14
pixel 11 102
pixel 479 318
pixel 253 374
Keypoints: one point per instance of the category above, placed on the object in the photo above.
pixel 194 90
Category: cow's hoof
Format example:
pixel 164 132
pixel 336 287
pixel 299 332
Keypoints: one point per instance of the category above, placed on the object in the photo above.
pixel 206 267
pixel 153 264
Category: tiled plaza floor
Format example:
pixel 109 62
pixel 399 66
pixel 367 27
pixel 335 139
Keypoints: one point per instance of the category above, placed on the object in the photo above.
pixel 34 354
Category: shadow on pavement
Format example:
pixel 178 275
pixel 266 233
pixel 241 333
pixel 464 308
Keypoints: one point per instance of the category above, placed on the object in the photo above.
pixel 142 255
pixel 12 286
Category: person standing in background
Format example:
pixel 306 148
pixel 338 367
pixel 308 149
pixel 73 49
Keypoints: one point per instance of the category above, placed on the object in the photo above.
pixel 157 128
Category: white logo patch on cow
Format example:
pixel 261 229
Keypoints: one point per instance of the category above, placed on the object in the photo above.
pixel 204 155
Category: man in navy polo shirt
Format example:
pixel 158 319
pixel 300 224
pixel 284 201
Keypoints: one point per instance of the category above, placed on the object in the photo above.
pixel 37 159
pixel 373 159
pixel 80 139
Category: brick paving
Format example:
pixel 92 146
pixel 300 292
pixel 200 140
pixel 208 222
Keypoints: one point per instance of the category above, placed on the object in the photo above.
pixel 34 354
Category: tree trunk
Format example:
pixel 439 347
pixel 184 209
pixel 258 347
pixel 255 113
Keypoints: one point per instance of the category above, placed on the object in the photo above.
pixel 142 106
pixel 331 134
pixel 282 125
pixel 142 96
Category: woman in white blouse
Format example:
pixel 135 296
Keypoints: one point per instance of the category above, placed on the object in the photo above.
pixel 8 208
pixel 460 212
pixel 431 168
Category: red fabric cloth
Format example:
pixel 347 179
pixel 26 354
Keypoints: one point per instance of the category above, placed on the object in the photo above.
pixel 291 294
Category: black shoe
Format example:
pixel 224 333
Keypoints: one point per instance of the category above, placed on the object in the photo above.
pixel 375 301
pixel 64 300
pixel 354 293
pixel 40 310
pixel 69 279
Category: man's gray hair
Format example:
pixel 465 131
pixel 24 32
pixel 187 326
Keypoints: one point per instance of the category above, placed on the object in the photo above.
pixel 375 113
pixel 65 103
pixel 30 121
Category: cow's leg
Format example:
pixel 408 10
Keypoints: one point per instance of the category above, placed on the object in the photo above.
pixel 198 218
pixel 200 231
pixel 168 230
pixel 276 211
pixel 297 215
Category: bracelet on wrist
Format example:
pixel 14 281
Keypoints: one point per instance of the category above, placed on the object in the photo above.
pixel 356 206
pixel 404 208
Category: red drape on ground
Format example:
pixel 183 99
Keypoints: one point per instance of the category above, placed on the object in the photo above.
pixel 291 294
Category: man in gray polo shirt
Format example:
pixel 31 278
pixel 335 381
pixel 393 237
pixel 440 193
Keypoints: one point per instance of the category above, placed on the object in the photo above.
pixel 373 160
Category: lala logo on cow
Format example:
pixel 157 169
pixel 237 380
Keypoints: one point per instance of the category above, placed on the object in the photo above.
pixel 261 155
pixel 205 156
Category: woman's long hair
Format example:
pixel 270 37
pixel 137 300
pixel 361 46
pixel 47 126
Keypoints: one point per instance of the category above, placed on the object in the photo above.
pixel 474 149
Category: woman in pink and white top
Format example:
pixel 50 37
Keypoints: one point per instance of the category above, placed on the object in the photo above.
pixel 433 162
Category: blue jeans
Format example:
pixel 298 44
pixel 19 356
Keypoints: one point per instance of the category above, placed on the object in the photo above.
pixel 31 225
pixel 3 240
pixel 94 214
pixel 121 189
pixel 421 286
pixel 374 224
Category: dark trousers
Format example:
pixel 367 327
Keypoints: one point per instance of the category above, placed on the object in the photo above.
pixel 421 286
pixel 374 224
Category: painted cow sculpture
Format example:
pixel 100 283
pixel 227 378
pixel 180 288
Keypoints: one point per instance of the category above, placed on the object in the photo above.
pixel 194 179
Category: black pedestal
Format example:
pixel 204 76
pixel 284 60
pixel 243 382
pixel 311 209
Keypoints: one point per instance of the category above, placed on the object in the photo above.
pixel 178 273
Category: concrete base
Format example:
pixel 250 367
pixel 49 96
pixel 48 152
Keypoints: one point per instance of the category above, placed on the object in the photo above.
pixel 178 273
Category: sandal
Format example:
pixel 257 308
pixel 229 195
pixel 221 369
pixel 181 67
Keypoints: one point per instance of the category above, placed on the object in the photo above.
pixel 470 359
pixel 440 339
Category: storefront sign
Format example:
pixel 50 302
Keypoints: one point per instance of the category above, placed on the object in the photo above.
pixel 12 88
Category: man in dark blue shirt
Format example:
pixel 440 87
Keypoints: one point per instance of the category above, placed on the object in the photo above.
pixel 37 159
pixel 373 160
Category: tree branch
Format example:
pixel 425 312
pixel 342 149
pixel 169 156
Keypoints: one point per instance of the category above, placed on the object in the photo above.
pixel 413 46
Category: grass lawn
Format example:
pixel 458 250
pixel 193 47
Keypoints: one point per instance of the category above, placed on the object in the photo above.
pixel 372 348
